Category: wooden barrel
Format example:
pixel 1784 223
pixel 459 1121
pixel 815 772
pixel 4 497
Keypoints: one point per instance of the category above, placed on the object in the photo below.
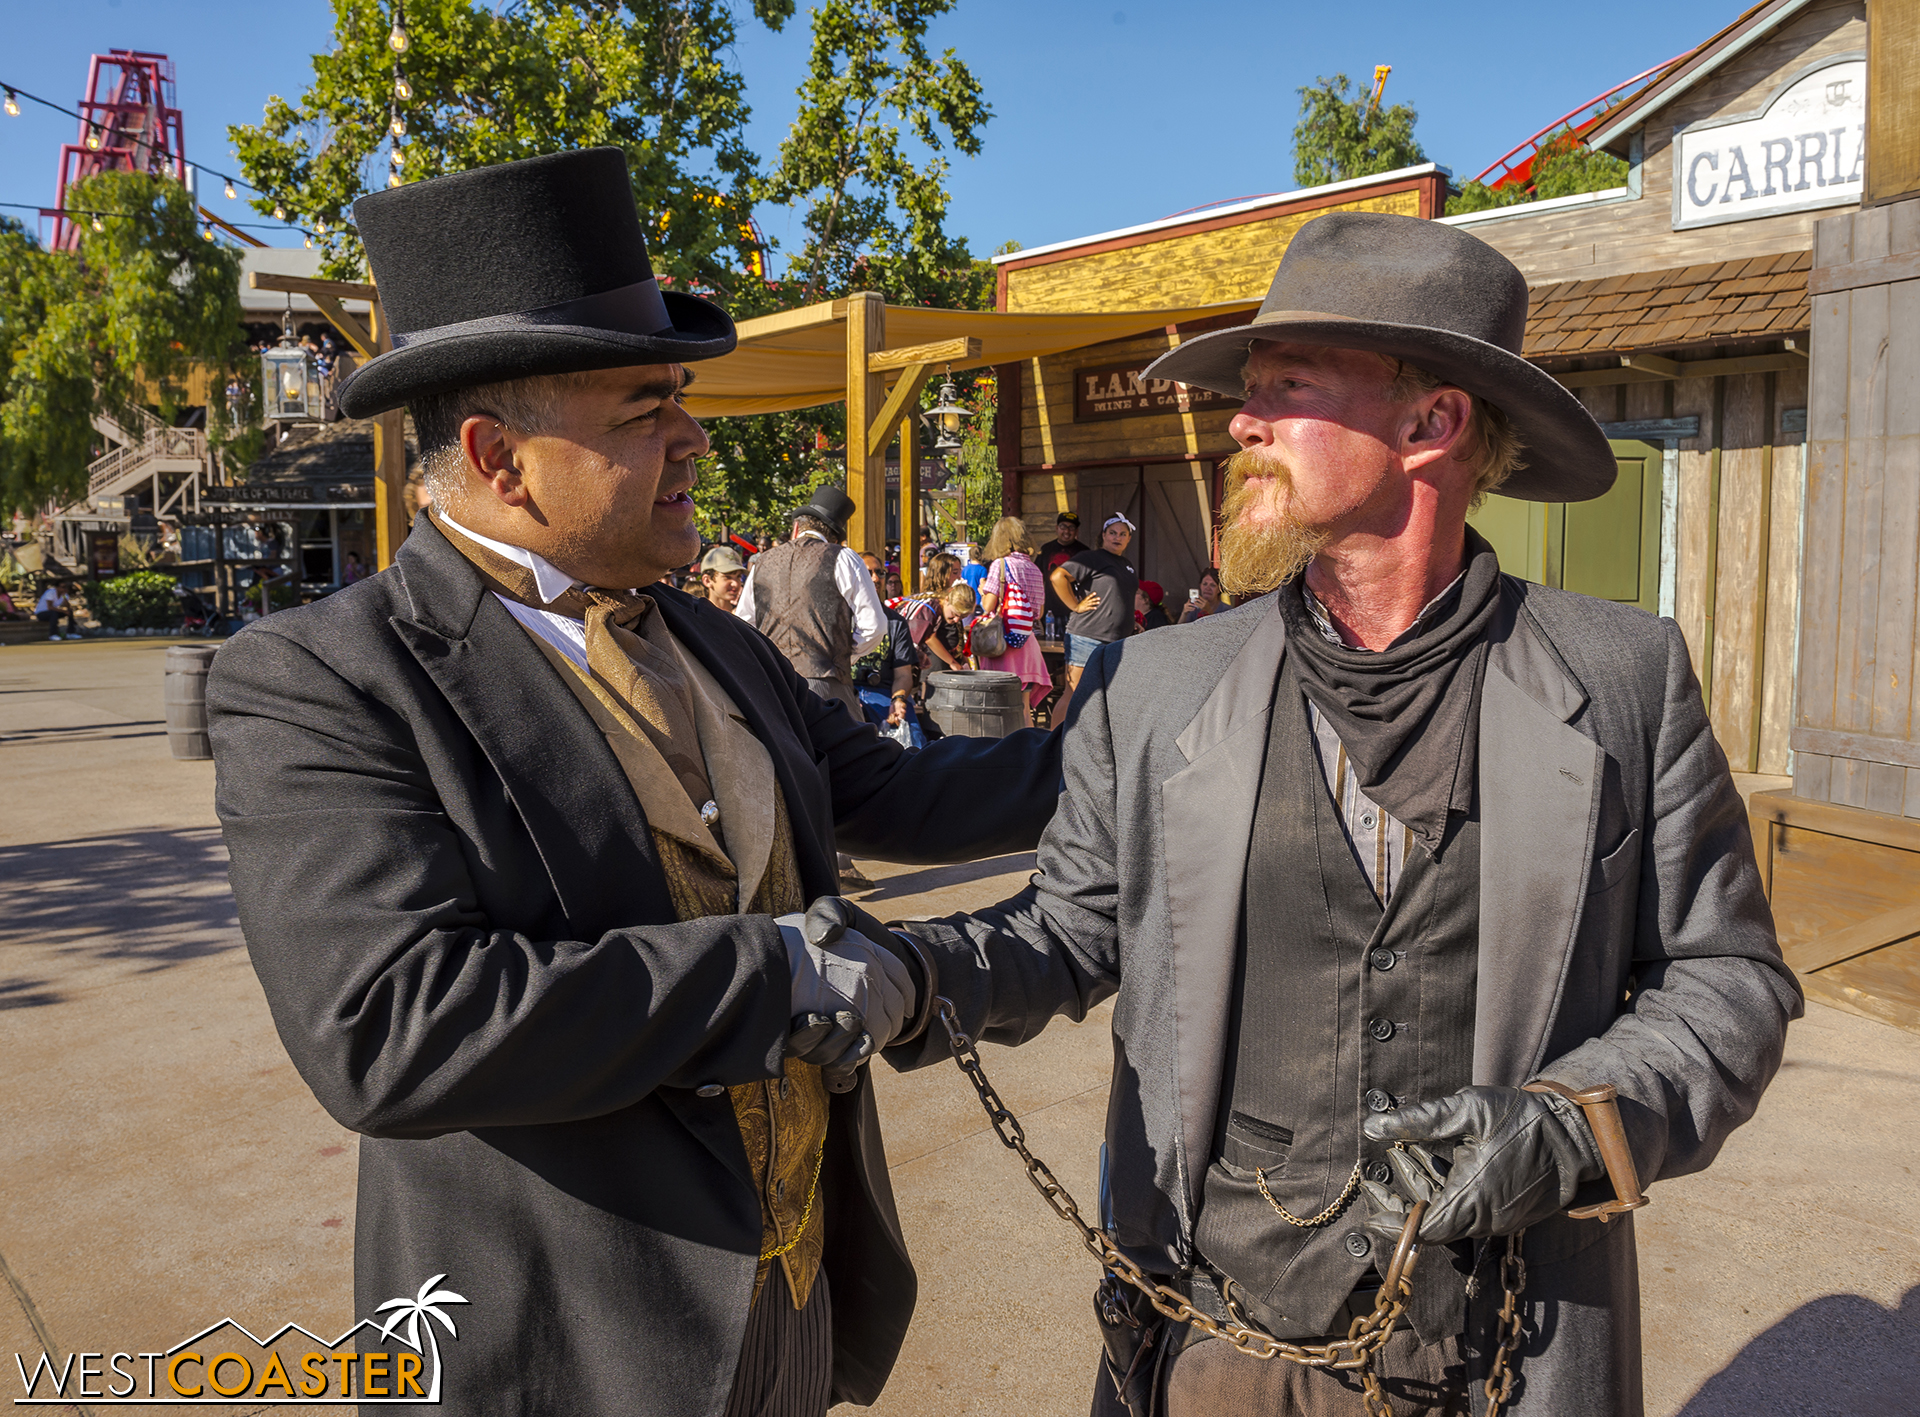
pixel 186 699
pixel 976 703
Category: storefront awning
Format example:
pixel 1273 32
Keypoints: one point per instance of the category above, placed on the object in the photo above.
pixel 798 358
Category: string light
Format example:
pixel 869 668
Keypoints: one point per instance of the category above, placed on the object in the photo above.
pixel 13 105
pixel 394 179
pixel 399 157
pixel 98 225
pixel 208 233
pixel 231 194
pixel 398 41
pixel 93 139
pixel 398 127
pixel 402 90
pixel 309 240
pixel 279 212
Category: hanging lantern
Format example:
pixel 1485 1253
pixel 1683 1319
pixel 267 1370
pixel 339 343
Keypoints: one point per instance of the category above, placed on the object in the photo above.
pixel 286 371
pixel 945 417
pixel 402 90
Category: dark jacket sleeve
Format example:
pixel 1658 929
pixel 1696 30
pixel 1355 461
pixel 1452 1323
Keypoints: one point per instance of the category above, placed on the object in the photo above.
pixel 1055 948
pixel 407 1011
pixel 1704 1031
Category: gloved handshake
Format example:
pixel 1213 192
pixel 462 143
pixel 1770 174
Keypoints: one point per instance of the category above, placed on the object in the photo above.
pixel 858 987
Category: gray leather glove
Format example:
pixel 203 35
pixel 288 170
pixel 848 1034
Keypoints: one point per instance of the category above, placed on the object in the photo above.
pixel 1518 1157
pixel 837 1044
pixel 837 969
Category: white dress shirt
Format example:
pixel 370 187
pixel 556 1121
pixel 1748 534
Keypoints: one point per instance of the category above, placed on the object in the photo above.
pixel 563 632
pixel 855 584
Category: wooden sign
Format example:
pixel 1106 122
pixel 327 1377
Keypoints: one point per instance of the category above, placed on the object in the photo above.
pixel 1119 391
pixel 1804 149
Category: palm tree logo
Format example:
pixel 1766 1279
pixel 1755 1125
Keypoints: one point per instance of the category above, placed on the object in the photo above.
pixel 411 1310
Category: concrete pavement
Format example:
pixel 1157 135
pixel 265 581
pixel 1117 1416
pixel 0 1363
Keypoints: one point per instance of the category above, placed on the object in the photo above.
pixel 165 1167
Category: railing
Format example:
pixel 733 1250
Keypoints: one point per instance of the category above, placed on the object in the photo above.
pixel 157 441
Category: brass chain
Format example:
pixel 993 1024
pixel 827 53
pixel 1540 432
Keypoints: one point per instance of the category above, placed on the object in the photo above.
pixel 1331 1213
pixel 1366 1334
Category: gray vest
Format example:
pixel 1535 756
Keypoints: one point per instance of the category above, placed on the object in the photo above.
pixel 798 607
pixel 1340 1007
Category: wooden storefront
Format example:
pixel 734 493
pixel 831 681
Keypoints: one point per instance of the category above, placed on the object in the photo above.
pixel 1079 431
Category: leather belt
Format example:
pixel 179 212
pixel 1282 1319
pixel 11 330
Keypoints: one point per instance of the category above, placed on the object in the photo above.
pixel 1202 1290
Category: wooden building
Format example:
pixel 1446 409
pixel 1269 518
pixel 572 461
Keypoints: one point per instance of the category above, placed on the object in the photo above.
pixel 1079 431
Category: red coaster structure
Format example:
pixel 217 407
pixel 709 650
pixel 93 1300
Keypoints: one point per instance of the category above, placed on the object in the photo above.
pixel 128 123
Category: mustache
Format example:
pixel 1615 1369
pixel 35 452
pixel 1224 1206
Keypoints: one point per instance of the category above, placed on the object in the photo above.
pixel 1263 544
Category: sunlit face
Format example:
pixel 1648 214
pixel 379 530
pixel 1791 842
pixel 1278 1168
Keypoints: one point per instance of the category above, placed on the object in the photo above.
pixel 607 494
pixel 1117 538
pixel 724 587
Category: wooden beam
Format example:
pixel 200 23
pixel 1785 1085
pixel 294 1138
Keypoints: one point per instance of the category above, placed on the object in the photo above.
pixel 389 463
pixel 1653 364
pixel 304 285
pixel 1852 941
pixel 866 317
pixel 1642 369
pixel 235 232
pixel 356 334
pixel 909 506
pixel 786 322
pixel 905 395
pixel 940 352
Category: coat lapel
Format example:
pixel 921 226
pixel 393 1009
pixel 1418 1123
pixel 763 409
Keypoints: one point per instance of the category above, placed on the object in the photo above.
pixel 1540 781
pixel 1207 815
pixel 558 770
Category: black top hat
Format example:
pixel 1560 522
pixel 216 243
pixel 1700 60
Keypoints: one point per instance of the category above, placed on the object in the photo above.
pixel 831 506
pixel 532 267
pixel 1435 297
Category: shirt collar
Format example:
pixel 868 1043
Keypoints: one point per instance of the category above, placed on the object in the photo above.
pixel 804 535
pixel 548 579
pixel 1428 614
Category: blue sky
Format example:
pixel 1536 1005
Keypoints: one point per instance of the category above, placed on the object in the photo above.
pixel 1106 114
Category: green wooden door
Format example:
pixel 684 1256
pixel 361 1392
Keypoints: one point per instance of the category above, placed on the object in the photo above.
pixel 1608 548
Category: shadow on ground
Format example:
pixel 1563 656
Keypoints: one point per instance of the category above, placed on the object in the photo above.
pixel 929 878
pixel 1843 1353
pixel 150 898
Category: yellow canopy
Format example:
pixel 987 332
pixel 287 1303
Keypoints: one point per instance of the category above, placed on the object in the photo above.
pixel 798 358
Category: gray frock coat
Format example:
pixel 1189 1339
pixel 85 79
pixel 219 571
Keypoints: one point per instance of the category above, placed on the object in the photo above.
pixel 1624 936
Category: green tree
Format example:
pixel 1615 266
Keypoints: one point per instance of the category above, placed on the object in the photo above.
pixel 648 76
pixel 874 219
pixel 1563 167
pixel 1341 136
pixel 117 322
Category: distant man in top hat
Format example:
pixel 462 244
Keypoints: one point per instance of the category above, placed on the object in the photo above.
pixel 812 596
pixel 1367 854
pixel 521 852
pixel 722 575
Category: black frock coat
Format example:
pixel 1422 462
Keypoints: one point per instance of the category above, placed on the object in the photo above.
pixel 453 903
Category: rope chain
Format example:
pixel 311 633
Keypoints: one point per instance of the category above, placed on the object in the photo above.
pixel 1366 1334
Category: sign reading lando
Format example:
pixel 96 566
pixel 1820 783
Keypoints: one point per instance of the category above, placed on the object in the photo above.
pixel 1804 149
pixel 224 1365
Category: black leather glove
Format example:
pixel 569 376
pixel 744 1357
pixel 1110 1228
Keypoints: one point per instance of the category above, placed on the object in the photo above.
pixel 837 1044
pixel 1518 1157
pixel 832 915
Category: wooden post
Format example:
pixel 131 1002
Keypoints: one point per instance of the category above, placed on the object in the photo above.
pixel 910 502
pixel 389 465
pixel 866 392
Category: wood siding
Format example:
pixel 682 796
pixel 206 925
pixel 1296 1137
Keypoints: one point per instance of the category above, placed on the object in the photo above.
pixel 1636 234
pixel 1855 736
pixel 1184 268
pixel 1048 434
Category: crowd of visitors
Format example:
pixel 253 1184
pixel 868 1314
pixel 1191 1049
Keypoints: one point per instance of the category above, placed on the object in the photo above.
pixel 1044 609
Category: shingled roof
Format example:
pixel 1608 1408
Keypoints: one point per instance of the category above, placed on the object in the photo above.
pixel 1760 297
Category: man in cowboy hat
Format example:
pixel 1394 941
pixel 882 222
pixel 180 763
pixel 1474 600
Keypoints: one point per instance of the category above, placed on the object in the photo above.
pixel 521 852
pixel 813 598
pixel 1368 853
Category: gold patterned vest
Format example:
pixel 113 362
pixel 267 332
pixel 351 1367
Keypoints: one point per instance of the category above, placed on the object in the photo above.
pixel 742 861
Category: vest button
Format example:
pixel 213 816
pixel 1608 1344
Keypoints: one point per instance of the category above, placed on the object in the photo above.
pixel 1381 959
pixel 786 1089
pixel 1379 1172
pixel 1359 1244
pixel 708 1089
pixel 1382 1029
pixel 1367 820
pixel 1379 1100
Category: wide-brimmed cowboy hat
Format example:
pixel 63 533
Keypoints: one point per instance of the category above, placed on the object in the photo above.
pixel 527 268
pixel 1440 300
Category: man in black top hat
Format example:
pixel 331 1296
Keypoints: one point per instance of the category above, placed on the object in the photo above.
pixel 1366 855
pixel 522 839
pixel 813 598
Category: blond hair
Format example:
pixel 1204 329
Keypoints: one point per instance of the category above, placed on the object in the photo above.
pixel 1010 534
pixel 1492 447
pixel 959 597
